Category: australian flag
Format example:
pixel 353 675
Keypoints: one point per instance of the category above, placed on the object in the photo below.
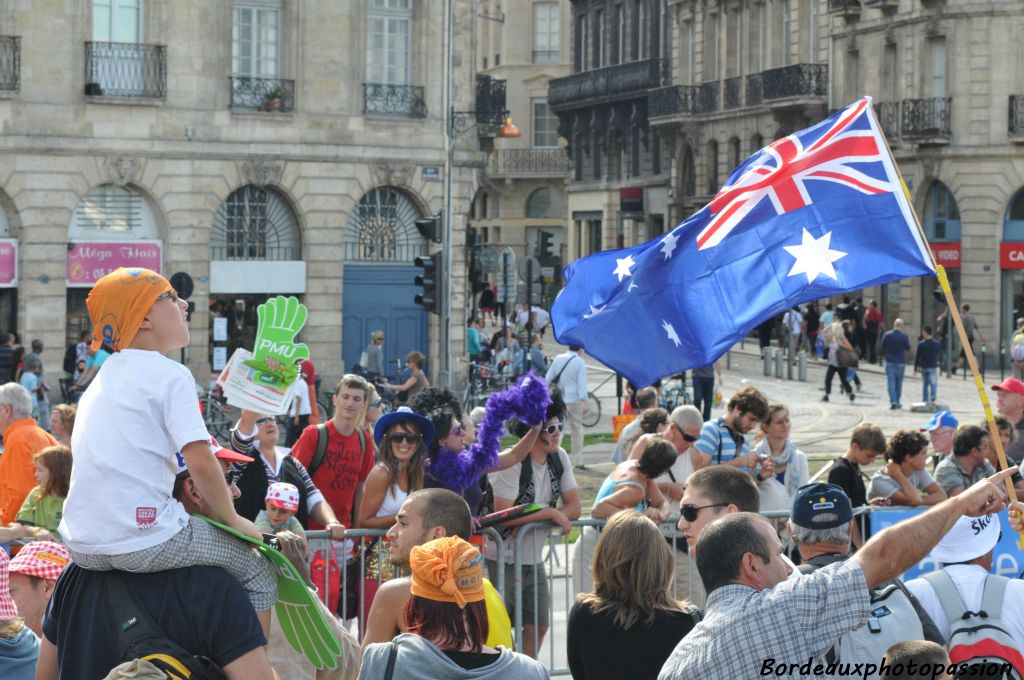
pixel 820 212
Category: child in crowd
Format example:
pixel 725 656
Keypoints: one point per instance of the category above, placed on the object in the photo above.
pixel 282 504
pixel 120 513
pixel 41 512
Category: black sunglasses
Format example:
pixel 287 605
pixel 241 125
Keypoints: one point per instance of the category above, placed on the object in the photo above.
pixel 556 427
pixel 404 437
pixel 690 512
pixel 689 437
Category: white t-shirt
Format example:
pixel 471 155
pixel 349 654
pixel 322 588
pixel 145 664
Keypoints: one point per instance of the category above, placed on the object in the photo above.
pixel 970 581
pixel 299 390
pixel 681 470
pixel 506 485
pixel 139 411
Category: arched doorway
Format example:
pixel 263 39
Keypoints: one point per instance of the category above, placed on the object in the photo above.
pixel 381 243
pixel 942 229
pixel 112 226
pixel 1011 264
pixel 255 254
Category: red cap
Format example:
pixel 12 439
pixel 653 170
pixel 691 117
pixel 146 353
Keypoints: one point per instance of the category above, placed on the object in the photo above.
pixel 228 454
pixel 1010 385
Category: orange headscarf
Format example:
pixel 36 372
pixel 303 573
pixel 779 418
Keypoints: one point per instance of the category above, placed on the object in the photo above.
pixel 447 570
pixel 119 302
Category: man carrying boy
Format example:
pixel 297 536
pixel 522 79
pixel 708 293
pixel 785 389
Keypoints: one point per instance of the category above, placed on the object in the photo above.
pixel 120 513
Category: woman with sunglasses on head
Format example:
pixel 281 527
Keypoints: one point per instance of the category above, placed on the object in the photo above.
pixel 256 435
pixel 632 484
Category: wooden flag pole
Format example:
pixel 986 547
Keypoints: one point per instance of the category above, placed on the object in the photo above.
pixel 965 342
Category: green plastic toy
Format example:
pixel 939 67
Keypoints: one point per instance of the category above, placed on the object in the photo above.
pixel 280 320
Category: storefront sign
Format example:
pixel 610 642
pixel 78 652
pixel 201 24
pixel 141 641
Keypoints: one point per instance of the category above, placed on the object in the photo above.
pixel 1011 255
pixel 88 261
pixel 8 263
pixel 947 254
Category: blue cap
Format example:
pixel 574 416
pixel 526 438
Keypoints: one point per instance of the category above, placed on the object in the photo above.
pixel 821 506
pixel 941 419
pixel 403 414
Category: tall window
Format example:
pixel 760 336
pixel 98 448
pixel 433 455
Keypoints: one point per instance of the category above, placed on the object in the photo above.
pixel 545 33
pixel 117 21
pixel 389 42
pixel 639 30
pixel 619 48
pixel 852 75
pixel 941 215
pixel 890 73
pixel 256 38
pixel 937 47
pixel 545 125
pixel 254 223
pixel 733 44
pixel 598 39
pixel 712 167
pixel 711 47
pixel 580 53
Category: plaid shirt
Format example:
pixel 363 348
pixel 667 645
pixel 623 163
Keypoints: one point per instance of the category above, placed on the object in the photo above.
pixel 791 623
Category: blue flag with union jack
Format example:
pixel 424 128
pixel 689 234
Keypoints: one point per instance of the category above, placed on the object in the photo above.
pixel 820 212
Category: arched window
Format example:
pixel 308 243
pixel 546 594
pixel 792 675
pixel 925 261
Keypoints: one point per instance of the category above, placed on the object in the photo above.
pixel 544 203
pixel 687 174
pixel 113 212
pixel 1013 223
pixel 382 228
pixel 255 223
pixel 756 143
pixel 734 153
pixel 941 216
pixel 712 167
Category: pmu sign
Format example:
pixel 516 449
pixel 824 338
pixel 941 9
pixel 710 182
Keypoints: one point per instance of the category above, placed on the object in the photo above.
pixel 947 254
pixel 1011 255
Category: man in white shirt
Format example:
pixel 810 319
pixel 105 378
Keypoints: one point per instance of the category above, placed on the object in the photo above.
pixel 965 553
pixel 568 372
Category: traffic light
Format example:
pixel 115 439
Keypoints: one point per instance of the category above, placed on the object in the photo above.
pixel 430 228
pixel 544 245
pixel 430 283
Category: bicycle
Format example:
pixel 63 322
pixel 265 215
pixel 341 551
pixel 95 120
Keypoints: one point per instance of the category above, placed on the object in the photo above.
pixel 215 413
pixel 593 410
pixel 473 395
pixel 676 395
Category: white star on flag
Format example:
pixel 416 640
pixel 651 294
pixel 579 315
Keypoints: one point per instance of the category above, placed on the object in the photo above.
pixel 594 311
pixel 813 257
pixel 671 332
pixel 622 266
pixel 668 244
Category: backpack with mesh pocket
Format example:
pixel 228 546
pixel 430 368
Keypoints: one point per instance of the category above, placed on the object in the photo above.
pixel 978 640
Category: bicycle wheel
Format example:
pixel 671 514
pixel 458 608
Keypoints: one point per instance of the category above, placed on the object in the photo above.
pixel 593 414
pixel 217 421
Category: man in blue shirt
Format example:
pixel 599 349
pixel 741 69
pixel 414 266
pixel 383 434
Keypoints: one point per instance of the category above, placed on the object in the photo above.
pixel 895 345
pixel 927 359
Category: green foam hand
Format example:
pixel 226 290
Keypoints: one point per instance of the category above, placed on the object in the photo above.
pixel 280 320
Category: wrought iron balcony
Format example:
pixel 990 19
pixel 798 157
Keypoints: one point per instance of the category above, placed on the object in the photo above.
pixel 262 94
pixel 798 80
pixel 686 100
pixel 1016 126
pixel 927 118
pixel 10 63
pixel 490 101
pixel 128 70
pixel 888 114
pixel 733 93
pixel 528 163
pixel 850 9
pixel 884 5
pixel 620 81
pixel 382 99
pixel 755 90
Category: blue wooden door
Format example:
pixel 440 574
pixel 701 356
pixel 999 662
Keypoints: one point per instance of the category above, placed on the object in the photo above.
pixel 379 297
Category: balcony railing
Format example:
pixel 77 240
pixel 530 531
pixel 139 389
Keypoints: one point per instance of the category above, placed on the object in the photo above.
pixel 491 106
pixel 528 162
pixel 755 90
pixel 707 99
pixel 262 94
pixel 10 63
pixel 846 8
pixel 672 100
pixel 1016 126
pixel 888 114
pixel 798 80
pixel 125 70
pixel 733 93
pixel 634 77
pixel 928 117
pixel 382 99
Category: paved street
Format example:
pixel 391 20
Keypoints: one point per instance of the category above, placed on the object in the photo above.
pixel 818 428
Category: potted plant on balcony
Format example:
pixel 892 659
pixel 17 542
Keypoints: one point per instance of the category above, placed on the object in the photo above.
pixel 273 100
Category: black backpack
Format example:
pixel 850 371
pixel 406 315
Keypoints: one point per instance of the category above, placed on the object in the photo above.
pixel 139 637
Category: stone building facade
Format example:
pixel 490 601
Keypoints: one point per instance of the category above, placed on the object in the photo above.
pixel 259 146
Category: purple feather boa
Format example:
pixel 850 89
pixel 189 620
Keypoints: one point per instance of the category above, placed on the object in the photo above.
pixel 527 401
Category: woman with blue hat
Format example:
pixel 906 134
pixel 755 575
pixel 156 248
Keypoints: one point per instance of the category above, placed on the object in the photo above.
pixel 402 438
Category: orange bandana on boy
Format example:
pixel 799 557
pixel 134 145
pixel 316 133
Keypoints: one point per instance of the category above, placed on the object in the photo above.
pixel 119 302
pixel 447 570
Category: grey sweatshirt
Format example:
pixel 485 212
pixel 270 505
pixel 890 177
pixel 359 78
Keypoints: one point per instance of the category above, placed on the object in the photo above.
pixel 420 659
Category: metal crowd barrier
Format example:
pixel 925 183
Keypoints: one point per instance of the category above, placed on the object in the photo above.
pixel 564 573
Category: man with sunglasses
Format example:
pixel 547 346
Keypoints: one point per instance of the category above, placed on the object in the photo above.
pixel 548 480
pixel 709 494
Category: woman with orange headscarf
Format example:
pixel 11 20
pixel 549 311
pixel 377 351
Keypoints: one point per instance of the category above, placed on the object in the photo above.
pixel 447 620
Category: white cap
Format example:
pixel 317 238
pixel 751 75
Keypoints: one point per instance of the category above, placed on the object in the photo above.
pixel 970 538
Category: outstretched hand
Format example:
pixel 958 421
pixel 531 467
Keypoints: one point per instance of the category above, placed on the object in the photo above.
pixel 280 320
pixel 985 496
